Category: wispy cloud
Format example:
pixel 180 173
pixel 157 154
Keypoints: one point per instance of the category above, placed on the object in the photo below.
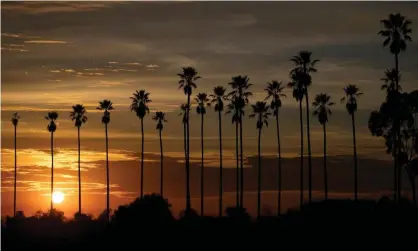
pixel 13 49
pixel 152 66
pixel 45 42
pixel 50 7
pixel 17 35
pixel 133 63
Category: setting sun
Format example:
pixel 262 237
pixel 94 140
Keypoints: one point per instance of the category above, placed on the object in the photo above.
pixel 57 197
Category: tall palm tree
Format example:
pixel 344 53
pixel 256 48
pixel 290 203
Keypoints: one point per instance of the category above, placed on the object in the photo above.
pixel 390 79
pixel 15 121
pixel 298 92
pixel 322 110
pixel 240 85
pixel 274 91
pixel 235 107
pixel 218 97
pixel 261 110
pixel 160 118
pixel 202 101
pixel 396 32
pixel 188 77
pixel 52 127
pixel 139 105
pixel 78 115
pixel 106 106
pixel 351 94
pixel 304 63
pixel 184 108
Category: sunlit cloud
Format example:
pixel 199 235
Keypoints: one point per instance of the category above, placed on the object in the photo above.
pixel 16 35
pixel 14 49
pixel 133 63
pixel 45 42
pixel 46 7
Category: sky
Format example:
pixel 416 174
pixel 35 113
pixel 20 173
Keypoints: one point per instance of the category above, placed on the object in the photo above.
pixel 57 54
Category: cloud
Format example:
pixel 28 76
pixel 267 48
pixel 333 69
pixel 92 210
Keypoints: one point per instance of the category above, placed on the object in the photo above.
pixel 133 63
pixel 104 83
pixel 152 66
pixel 13 49
pixel 17 35
pixel 113 62
pixel 54 7
pixel 45 42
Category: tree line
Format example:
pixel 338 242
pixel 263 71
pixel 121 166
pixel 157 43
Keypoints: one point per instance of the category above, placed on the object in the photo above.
pixel 396 121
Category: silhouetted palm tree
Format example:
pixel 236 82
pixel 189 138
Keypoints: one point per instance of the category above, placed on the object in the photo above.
pixel 261 110
pixel 235 107
pixel 78 115
pixel 396 32
pixel 218 97
pixel 106 106
pixel 52 127
pixel 390 79
pixel 240 85
pixel 15 121
pixel 304 63
pixel 351 95
pixel 160 118
pixel 202 101
pixel 275 92
pixel 412 170
pixel 139 105
pixel 183 112
pixel 187 81
pixel 322 110
pixel 298 92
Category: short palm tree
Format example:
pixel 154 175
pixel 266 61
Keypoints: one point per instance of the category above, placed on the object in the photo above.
pixel 351 94
pixel 298 91
pixel 261 110
pixel 78 115
pixel 218 98
pixel 304 63
pixel 187 82
pixel 235 107
pixel 139 105
pixel 322 110
pixel 15 121
pixel 106 106
pixel 396 31
pixel 202 101
pixel 240 85
pixel 160 118
pixel 274 91
pixel 52 127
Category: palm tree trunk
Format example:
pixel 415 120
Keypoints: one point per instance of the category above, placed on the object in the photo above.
pixel 79 173
pixel 188 203
pixel 202 170
pixel 397 136
pixel 259 175
pixel 162 166
pixel 220 164
pixel 279 171
pixel 325 163
pixel 309 148
pixel 14 193
pixel 301 153
pixel 242 163
pixel 355 158
pixel 236 151
pixel 52 168
pixel 142 157
pixel 185 146
pixel 107 177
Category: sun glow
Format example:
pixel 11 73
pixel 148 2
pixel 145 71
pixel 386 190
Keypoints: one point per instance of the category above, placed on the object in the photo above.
pixel 57 197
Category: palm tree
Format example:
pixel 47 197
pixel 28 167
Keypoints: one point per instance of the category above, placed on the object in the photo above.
pixel 322 110
pixel 139 105
pixel 235 107
pixel 78 115
pixel 298 93
pixel 160 118
pixel 240 85
pixel 390 79
pixel 304 63
pixel 274 91
pixel 106 106
pixel 15 121
pixel 218 97
pixel 351 95
pixel 202 101
pixel 184 108
pixel 261 110
pixel 396 32
pixel 187 81
pixel 52 127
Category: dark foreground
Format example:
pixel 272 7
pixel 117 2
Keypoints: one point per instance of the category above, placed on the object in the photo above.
pixel 148 223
